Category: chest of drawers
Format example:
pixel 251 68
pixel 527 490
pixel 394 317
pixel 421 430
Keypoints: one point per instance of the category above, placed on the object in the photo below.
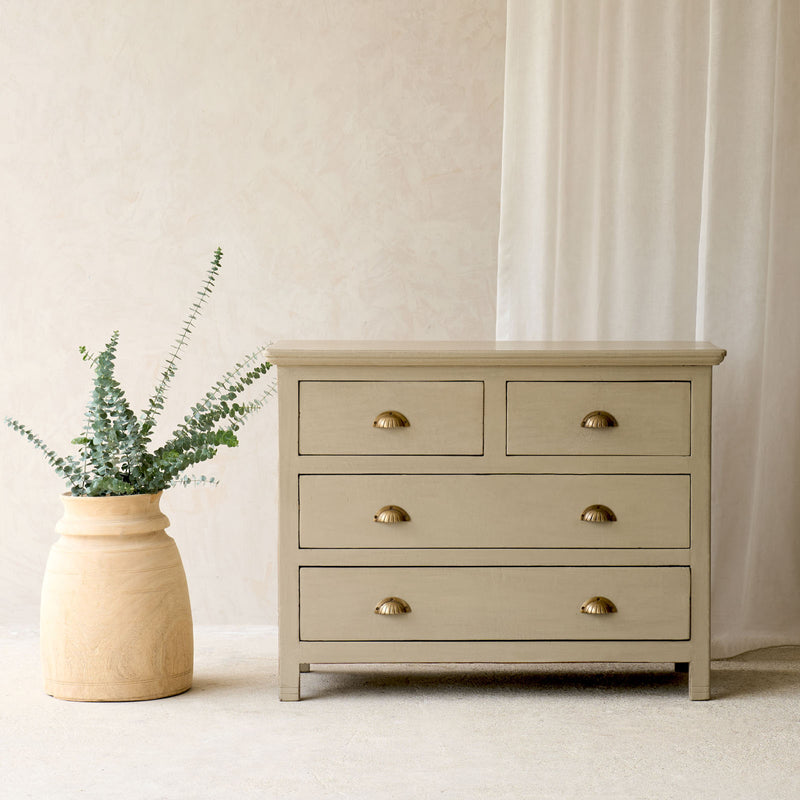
pixel 494 502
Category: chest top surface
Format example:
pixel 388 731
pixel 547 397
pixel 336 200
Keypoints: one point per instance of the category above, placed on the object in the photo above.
pixel 383 353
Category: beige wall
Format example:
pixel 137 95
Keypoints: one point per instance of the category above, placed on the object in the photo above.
pixel 345 155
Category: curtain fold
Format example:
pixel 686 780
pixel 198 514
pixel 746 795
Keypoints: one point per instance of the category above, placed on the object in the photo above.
pixel 651 190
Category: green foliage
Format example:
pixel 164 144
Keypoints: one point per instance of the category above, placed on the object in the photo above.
pixel 113 456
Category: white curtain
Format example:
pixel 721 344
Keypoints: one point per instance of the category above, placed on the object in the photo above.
pixel 651 190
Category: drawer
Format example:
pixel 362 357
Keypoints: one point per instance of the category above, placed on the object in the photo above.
pixel 493 603
pixel 339 511
pixel 443 417
pixel 652 417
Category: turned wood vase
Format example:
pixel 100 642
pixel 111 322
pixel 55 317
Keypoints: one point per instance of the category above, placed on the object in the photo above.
pixel 116 623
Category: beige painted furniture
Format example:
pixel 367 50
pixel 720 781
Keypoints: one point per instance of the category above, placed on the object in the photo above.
pixel 495 502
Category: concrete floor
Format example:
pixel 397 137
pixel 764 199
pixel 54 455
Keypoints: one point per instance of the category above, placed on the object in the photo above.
pixel 535 731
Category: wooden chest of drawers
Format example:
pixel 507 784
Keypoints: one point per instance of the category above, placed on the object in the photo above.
pixel 497 502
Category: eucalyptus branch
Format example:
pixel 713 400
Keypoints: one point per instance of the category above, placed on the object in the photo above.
pixel 219 402
pixel 67 467
pixel 156 403
pixel 86 355
pixel 113 456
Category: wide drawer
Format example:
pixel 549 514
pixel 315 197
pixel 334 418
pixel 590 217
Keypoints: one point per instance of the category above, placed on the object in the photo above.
pixel 494 511
pixel 493 603
pixel 652 418
pixel 338 417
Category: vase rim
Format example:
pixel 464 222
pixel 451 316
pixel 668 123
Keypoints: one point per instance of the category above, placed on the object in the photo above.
pixel 110 496
pixel 111 515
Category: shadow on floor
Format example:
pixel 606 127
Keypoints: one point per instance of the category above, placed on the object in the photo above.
pixel 775 671
pixel 325 681
pixel 729 679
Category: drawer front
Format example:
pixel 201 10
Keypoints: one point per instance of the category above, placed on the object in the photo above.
pixel 653 417
pixel 494 511
pixel 444 417
pixel 493 603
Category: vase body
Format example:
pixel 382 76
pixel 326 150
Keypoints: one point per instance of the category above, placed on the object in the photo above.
pixel 116 623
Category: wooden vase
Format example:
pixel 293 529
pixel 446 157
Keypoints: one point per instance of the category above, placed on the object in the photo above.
pixel 116 623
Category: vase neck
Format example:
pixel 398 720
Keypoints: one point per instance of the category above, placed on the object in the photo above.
pixel 111 516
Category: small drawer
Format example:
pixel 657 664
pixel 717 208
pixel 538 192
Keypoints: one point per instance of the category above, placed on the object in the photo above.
pixel 391 418
pixel 599 418
pixel 429 511
pixel 492 603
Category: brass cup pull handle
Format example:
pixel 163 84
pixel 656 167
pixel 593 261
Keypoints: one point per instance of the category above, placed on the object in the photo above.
pixel 598 605
pixel 599 419
pixel 389 515
pixel 390 419
pixel 390 606
pixel 598 513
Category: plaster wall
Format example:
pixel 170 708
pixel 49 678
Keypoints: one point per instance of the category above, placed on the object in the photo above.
pixel 345 155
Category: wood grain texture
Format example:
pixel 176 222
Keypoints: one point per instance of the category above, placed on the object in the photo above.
pixel 116 622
